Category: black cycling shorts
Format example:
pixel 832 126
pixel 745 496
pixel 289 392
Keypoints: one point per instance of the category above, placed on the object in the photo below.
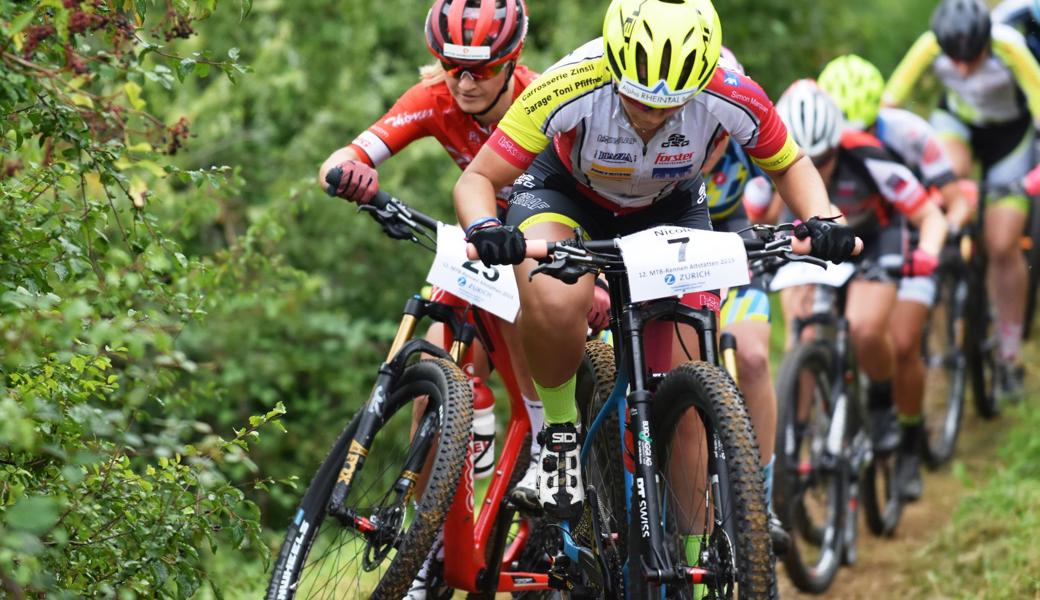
pixel 548 192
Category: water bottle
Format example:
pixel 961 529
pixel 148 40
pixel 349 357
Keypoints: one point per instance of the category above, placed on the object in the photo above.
pixel 482 447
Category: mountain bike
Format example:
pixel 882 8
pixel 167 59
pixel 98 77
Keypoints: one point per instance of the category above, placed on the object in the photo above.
pixel 980 336
pixel 944 354
pixel 647 506
pixel 373 509
pixel 826 465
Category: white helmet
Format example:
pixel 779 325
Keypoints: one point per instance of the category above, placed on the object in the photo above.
pixel 812 117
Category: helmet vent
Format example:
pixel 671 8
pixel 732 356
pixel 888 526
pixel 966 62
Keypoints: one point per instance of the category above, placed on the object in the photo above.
pixel 613 62
pixel 666 59
pixel 641 67
pixel 687 70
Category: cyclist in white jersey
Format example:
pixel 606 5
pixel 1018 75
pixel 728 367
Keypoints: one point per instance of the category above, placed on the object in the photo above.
pixel 613 138
pixel 989 112
pixel 856 86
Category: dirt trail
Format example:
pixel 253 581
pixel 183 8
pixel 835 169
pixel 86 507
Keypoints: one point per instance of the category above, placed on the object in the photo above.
pixel 879 572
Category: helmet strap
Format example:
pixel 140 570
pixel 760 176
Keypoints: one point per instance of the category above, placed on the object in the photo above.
pixel 505 86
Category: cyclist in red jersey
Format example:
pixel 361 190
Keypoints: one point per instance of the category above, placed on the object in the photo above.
pixel 459 101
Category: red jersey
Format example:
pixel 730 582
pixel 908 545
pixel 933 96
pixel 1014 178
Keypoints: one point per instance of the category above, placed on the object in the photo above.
pixel 426 110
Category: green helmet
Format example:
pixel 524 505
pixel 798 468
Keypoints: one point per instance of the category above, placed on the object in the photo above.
pixel 856 85
pixel 662 52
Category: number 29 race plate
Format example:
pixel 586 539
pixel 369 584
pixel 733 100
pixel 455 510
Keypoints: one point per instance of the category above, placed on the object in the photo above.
pixel 671 261
pixel 490 288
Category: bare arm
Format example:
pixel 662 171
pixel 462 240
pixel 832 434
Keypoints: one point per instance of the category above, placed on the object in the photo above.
pixel 932 224
pixel 958 208
pixel 475 190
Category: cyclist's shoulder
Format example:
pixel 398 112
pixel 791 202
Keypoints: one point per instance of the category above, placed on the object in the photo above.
pixel 860 145
pixel 899 121
pixel 580 72
pixel 737 90
pixel 1012 12
pixel 524 75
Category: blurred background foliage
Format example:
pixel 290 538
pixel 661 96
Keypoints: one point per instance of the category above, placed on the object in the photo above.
pixel 171 276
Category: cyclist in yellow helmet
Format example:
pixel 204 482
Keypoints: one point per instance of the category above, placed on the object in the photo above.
pixel 612 138
pixel 856 86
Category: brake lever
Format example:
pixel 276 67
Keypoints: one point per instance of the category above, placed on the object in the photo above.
pixel 548 268
pixel 805 258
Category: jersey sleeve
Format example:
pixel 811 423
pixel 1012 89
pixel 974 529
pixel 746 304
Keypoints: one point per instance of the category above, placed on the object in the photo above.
pixel 921 55
pixel 407 120
pixel 553 103
pixel 749 116
pixel 1010 47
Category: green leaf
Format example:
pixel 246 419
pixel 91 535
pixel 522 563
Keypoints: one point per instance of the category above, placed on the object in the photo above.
pixel 133 93
pixel 19 23
pixel 201 69
pixel 34 514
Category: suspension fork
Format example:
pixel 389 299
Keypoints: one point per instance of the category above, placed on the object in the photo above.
pixel 374 412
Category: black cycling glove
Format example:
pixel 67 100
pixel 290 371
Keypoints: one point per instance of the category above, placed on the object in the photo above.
pixel 499 245
pixel 830 241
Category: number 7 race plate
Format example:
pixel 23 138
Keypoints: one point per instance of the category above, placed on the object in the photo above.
pixel 671 261
pixel 491 288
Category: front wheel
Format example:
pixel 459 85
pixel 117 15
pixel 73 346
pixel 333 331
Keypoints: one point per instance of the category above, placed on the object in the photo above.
pixel 709 457
pixel 811 483
pixel 375 544
pixel 943 353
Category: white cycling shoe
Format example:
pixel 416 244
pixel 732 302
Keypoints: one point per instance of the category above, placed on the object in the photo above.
pixel 524 494
pixel 560 489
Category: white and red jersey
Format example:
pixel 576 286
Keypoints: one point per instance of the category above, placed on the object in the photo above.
pixel 869 181
pixel 575 107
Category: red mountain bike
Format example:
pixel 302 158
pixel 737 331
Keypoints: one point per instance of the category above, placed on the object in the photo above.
pixel 373 509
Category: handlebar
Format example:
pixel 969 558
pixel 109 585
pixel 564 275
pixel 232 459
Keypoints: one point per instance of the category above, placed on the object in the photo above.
pixel 766 249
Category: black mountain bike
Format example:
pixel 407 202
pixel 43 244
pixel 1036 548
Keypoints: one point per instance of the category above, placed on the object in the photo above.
pixel 826 465
pixel 943 350
pixel 651 504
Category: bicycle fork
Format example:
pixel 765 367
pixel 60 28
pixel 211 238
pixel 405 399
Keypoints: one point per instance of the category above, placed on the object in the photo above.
pixel 383 402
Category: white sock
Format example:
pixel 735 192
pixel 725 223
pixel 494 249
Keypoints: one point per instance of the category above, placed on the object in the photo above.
pixel 1010 335
pixel 536 415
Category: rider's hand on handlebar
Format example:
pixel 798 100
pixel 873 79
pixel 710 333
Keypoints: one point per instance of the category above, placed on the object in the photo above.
pixel 921 264
pixel 357 182
pixel 830 240
pixel 499 244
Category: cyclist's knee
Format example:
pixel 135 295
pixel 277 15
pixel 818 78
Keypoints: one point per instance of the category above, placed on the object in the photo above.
pixel 752 359
pixel 555 312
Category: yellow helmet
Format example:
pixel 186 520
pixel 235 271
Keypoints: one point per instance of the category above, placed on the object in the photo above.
pixel 662 52
pixel 856 86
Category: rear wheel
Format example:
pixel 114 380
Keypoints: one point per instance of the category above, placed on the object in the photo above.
pixel 947 378
pixel 698 411
pixel 980 340
pixel 810 485
pixel 882 505
pixel 386 528
pixel 604 468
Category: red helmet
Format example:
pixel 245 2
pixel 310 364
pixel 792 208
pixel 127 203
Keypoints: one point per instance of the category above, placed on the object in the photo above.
pixel 476 32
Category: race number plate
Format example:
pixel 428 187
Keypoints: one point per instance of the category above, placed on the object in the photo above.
pixel 491 288
pixel 672 261
pixel 800 273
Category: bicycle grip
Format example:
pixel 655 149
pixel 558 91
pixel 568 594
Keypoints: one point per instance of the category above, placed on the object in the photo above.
pixel 803 246
pixel 332 179
pixel 535 249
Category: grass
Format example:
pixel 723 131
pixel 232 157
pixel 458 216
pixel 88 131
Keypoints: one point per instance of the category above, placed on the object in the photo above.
pixel 990 549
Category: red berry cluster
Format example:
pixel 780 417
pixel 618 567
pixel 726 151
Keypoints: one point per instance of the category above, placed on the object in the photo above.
pixel 178 133
pixel 33 36
pixel 181 26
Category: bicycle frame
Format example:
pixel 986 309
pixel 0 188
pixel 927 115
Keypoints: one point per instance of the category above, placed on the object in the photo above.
pixel 465 542
pixel 628 323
